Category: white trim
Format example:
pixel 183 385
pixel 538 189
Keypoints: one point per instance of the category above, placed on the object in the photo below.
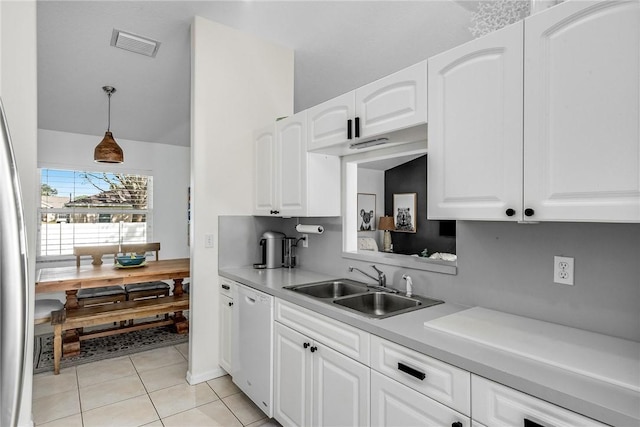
pixel 205 376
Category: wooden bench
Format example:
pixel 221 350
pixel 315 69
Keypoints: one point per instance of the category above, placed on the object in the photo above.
pixel 63 320
pixel 142 290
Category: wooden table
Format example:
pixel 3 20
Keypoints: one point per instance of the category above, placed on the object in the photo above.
pixel 71 279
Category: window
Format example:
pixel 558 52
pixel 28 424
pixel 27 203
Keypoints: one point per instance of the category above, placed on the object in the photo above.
pixel 92 208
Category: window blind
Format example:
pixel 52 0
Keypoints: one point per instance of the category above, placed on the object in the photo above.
pixel 92 208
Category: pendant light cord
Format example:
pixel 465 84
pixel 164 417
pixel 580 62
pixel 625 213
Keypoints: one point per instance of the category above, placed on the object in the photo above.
pixel 109 114
pixel 109 91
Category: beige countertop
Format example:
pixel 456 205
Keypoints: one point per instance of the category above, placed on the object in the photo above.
pixel 590 395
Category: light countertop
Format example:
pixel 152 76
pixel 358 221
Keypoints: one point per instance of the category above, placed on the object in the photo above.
pixel 589 395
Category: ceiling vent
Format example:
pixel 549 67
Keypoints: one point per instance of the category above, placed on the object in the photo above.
pixel 134 43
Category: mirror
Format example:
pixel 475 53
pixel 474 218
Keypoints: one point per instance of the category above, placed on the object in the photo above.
pixel 373 182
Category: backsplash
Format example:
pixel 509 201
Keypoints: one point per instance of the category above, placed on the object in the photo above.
pixel 502 266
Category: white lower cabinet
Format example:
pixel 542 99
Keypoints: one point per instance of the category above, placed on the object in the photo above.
pixel 411 389
pixel 316 385
pixel 328 373
pixel 292 377
pixel 496 405
pixel 440 381
pixel 394 404
pixel 226 323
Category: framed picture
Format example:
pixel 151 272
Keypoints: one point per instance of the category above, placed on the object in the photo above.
pixel 404 212
pixel 366 212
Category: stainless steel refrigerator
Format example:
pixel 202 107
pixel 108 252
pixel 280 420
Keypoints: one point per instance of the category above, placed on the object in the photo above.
pixel 13 282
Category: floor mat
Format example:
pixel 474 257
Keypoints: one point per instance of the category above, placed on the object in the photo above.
pixel 105 347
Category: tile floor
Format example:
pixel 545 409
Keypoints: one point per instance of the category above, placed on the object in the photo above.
pixel 144 389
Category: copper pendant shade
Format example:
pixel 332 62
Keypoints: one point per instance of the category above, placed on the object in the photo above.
pixel 108 151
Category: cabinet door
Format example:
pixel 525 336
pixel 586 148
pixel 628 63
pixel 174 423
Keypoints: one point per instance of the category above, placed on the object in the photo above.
pixel 328 122
pixel 265 168
pixel 395 102
pixel 396 405
pixel 582 127
pixel 226 316
pixel 496 405
pixel 292 377
pixel 340 389
pixel 346 339
pixel 474 164
pixel 292 165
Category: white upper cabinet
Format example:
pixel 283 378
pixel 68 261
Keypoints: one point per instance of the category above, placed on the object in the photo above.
pixel 330 123
pixel 265 169
pixel 395 102
pixel 290 181
pixel 582 116
pixel 391 104
pixel 474 160
pixel 569 150
pixel 292 159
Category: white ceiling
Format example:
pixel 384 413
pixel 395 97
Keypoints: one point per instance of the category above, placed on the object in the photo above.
pixel 339 46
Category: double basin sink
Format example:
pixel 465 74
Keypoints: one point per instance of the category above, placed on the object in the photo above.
pixel 373 302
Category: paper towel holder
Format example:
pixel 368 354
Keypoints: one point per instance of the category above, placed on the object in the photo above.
pixel 309 229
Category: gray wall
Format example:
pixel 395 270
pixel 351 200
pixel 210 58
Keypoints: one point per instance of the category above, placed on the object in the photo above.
pixel 503 266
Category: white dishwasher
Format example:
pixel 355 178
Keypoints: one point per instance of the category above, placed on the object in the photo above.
pixel 252 368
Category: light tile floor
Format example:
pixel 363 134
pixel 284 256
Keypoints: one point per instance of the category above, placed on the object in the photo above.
pixel 144 389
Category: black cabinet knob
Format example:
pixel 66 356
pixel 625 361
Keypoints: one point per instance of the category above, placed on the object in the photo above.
pixel 349 135
pixel 313 349
pixel 510 212
pixel 357 126
pixel 273 212
pixel 456 424
pixel 529 212
pixel 230 304
pixel 305 345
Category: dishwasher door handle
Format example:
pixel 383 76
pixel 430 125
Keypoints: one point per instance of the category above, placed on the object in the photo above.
pixel 249 299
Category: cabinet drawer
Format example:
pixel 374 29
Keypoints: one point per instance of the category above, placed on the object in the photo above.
pixel 226 286
pixel 341 337
pixel 440 381
pixel 497 405
pixel 393 404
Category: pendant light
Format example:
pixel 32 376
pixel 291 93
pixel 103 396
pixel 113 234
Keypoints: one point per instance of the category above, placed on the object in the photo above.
pixel 108 151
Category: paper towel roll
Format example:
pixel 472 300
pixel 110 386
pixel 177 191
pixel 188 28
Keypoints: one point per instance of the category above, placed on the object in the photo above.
pixel 310 229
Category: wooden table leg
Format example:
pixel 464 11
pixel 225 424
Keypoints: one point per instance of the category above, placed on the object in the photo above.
pixel 71 338
pixel 179 321
pixel 72 299
pixel 57 348
pixel 177 287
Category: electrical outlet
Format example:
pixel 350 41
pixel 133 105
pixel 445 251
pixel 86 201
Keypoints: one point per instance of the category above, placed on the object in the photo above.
pixel 305 242
pixel 563 270
pixel 208 240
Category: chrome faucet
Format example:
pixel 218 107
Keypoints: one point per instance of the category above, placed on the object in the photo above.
pixel 381 279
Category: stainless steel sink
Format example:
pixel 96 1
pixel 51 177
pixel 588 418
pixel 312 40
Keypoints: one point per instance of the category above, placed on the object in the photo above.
pixel 331 289
pixel 357 297
pixel 383 304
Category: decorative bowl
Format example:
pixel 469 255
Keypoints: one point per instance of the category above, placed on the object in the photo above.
pixel 131 260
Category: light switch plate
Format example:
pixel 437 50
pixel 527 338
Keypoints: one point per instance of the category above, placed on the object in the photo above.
pixel 208 241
